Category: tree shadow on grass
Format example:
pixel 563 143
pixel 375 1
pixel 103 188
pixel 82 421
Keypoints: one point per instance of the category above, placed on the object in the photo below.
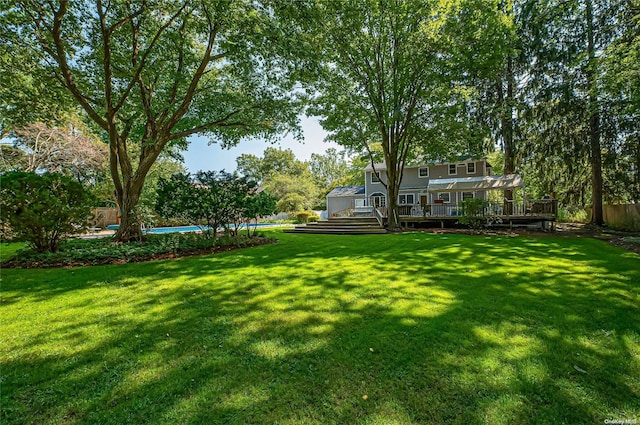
pixel 429 329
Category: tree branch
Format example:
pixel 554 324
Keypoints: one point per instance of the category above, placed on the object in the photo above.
pixel 135 78
pixel 61 59
pixel 223 122
pixel 206 59
pixel 128 18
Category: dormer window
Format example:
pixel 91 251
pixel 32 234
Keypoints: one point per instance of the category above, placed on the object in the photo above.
pixel 471 168
pixel 423 172
pixel 453 169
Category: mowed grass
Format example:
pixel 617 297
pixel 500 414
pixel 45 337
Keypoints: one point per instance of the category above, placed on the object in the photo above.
pixel 9 250
pixel 321 329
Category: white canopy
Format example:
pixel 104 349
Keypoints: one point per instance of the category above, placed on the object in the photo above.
pixel 470 184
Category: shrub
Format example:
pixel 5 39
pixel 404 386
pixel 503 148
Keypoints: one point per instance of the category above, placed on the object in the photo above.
pixel 563 216
pixel 303 216
pixel 572 216
pixel 214 199
pixel 579 216
pixel 472 212
pixel 43 209
pixel 75 252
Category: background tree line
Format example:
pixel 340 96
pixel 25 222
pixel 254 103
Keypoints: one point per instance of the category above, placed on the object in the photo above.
pixel 563 107
pixel 301 185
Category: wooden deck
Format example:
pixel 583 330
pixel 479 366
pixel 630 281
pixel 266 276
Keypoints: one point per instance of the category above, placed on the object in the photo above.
pixel 341 226
pixel 540 213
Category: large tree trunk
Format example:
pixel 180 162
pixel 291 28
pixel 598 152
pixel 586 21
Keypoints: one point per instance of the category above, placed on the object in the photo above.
pixel 393 186
pixel 597 216
pixel 129 185
pixel 394 162
pixel 130 226
pixel 506 130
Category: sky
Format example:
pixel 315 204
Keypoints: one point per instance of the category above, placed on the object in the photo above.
pixel 205 157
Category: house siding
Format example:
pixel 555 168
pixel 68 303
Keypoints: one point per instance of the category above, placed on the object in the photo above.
pixel 412 183
pixel 370 188
pixel 339 203
pixel 410 179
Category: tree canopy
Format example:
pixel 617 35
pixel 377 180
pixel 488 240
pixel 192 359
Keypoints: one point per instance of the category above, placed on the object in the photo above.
pixel 562 104
pixel 29 92
pixel 393 73
pixel 152 74
pixel 273 161
pixel 329 169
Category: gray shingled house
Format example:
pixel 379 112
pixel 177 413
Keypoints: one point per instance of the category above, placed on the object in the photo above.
pixel 432 188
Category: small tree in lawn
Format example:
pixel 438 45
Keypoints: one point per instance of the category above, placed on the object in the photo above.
pixel 218 199
pixel 177 198
pixel 235 191
pixel 43 209
pixel 258 205
pixel 215 198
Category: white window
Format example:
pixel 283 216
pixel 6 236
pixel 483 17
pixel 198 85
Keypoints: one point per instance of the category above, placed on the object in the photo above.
pixel 445 197
pixel 359 203
pixel 467 195
pixel 423 172
pixel 406 199
pixel 471 167
pixel 453 169
pixel 375 177
pixel 378 199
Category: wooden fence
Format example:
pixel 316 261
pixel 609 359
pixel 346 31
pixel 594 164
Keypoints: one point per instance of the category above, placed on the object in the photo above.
pixel 625 216
pixel 102 216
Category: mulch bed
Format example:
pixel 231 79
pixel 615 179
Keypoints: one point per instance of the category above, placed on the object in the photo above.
pixel 630 246
pixel 66 263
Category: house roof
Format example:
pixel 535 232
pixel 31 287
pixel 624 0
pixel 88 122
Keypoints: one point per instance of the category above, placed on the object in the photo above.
pixel 469 184
pixel 429 163
pixel 346 191
pixel 379 167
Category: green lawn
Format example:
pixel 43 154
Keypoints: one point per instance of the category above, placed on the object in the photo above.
pixel 8 250
pixel 321 329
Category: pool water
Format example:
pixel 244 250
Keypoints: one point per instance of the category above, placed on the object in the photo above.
pixel 176 229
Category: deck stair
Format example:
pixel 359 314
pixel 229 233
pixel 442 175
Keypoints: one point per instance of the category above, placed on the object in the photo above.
pixel 341 226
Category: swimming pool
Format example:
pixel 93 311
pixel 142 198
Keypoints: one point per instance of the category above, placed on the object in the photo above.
pixel 175 229
pixel 184 229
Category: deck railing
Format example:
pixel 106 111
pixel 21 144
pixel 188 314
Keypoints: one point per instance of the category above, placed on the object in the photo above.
pixel 543 208
pixel 547 208
pixel 380 213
